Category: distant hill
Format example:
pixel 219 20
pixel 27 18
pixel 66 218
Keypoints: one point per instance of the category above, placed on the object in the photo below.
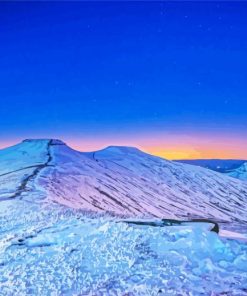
pixel 218 165
pixel 240 172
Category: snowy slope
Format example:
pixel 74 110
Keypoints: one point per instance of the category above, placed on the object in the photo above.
pixel 21 164
pixel 18 163
pixel 239 173
pixel 119 180
pixel 26 154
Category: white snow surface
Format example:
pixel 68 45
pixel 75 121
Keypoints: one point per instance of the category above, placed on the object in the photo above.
pixel 23 155
pixel 53 251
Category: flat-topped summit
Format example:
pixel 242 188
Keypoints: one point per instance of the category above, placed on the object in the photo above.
pixel 50 141
pixel 114 149
pixel 123 149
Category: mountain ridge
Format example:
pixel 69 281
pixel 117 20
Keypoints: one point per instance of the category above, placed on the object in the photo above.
pixel 118 180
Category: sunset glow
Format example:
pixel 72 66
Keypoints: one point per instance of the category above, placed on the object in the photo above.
pixel 166 146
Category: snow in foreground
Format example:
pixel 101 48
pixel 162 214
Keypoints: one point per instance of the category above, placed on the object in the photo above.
pixel 53 252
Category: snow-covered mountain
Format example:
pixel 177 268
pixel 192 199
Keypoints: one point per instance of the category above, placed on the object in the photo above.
pixel 49 248
pixel 240 172
pixel 122 181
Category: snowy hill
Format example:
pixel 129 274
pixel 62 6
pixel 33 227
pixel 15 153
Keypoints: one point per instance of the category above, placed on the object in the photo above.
pixel 239 173
pixel 49 248
pixel 122 181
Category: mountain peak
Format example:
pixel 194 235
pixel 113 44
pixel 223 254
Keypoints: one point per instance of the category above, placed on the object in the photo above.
pixel 112 152
pixel 51 141
pixel 123 149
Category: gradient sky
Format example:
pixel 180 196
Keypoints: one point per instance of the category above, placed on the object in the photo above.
pixel 169 78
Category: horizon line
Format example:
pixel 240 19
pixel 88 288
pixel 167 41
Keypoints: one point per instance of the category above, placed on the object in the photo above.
pixel 8 145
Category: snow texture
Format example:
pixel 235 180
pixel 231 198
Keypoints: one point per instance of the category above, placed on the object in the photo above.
pixel 53 251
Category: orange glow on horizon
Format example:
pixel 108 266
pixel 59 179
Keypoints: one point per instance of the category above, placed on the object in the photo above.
pixel 191 153
pixel 177 148
pixel 166 146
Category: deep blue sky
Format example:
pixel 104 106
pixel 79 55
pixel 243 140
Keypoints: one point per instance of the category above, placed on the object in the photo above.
pixel 119 70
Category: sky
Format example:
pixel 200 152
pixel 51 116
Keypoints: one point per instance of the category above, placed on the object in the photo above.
pixel 166 77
